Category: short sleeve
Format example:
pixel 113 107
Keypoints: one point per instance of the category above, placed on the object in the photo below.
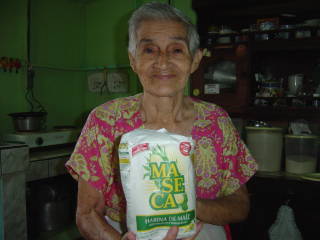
pixel 91 159
pixel 238 164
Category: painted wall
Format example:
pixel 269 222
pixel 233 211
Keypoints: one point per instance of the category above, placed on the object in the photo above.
pixel 13 36
pixel 106 42
pixel 69 39
pixel 57 30
pixel 57 47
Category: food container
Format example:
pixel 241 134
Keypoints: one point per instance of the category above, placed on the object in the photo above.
pixel 285 32
pixel 224 39
pixel 270 89
pixel 301 153
pixel 265 144
pixel 303 34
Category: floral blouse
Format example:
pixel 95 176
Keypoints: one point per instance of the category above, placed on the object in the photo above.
pixel 222 161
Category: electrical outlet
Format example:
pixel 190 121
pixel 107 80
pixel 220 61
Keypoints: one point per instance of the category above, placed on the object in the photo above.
pixel 117 82
pixel 97 82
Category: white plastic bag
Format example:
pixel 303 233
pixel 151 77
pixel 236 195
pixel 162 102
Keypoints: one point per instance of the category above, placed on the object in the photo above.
pixel 158 181
pixel 285 227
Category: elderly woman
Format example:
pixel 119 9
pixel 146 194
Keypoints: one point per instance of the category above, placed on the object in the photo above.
pixel 163 52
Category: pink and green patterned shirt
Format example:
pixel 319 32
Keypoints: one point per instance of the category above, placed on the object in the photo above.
pixel 222 161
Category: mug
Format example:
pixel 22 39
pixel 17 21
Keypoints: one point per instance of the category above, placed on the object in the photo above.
pixel 295 83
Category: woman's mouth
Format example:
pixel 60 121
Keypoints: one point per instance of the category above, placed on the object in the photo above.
pixel 164 76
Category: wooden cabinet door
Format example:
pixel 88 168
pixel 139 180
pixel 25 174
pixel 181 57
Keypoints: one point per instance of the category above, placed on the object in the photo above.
pixel 224 78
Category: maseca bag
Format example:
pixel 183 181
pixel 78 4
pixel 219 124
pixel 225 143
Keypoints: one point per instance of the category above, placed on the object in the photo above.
pixel 158 180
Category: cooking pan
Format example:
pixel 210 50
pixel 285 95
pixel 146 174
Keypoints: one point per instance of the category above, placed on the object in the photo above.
pixel 28 121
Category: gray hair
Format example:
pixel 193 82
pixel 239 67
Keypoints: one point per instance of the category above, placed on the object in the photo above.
pixel 161 11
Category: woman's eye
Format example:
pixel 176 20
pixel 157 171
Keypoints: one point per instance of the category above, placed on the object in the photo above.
pixel 148 50
pixel 177 50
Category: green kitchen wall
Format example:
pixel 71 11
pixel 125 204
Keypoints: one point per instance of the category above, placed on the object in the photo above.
pixel 57 31
pixel 69 39
pixel 13 43
pixel 106 42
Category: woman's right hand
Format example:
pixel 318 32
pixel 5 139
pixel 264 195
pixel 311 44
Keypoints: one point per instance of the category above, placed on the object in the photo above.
pixel 129 236
pixel 171 234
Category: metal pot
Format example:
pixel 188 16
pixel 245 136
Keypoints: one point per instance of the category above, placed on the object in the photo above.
pixel 28 121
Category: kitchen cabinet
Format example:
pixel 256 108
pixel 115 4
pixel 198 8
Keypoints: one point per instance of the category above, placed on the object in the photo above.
pixel 13 164
pixel 268 194
pixel 263 42
pixel 48 162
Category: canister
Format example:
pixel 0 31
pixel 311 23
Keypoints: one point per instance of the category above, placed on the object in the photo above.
pixel 265 144
pixel 301 153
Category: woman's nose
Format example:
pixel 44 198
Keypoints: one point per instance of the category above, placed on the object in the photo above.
pixel 162 60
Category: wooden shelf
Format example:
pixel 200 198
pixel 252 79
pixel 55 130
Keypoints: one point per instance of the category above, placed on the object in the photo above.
pixel 282 57
pixel 282 175
pixel 256 8
pixel 282 113
pixel 272 45
pixel 286 44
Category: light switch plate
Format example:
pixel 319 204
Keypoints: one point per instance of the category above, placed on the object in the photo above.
pixel 117 82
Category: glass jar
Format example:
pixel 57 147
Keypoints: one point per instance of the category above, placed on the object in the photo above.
pixel 301 153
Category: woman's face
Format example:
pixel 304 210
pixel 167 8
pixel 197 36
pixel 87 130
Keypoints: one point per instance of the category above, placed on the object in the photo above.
pixel 162 59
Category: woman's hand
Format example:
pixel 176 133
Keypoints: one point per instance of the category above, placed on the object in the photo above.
pixel 171 234
pixel 129 236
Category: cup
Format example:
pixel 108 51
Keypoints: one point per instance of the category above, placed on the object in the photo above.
pixel 295 83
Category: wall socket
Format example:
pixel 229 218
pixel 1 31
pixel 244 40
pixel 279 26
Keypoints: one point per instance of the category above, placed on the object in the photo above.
pixel 117 82
pixel 97 82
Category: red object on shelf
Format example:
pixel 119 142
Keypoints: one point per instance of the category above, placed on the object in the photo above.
pixel 9 64
pixel 17 65
pixel 4 63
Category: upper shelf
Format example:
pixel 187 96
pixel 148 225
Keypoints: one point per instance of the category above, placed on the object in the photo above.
pixel 241 14
pixel 276 44
pixel 281 113
pixel 286 44
pixel 224 8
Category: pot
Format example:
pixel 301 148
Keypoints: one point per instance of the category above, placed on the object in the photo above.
pixel 28 121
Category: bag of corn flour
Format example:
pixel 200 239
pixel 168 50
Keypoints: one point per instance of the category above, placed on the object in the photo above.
pixel 158 181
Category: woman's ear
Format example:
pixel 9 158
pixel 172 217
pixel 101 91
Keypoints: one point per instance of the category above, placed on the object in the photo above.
pixel 132 62
pixel 196 60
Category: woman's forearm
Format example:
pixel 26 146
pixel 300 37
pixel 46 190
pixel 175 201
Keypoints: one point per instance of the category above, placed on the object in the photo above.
pixel 224 210
pixel 93 226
